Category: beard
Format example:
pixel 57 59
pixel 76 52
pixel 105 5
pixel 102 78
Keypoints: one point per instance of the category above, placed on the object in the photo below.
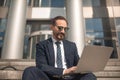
pixel 60 36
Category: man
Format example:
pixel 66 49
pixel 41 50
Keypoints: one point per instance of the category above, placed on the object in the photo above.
pixel 56 58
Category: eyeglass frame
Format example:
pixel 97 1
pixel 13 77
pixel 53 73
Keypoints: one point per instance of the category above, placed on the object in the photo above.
pixel 60 28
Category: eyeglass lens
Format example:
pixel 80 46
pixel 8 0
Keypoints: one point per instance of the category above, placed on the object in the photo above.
pixel 61 28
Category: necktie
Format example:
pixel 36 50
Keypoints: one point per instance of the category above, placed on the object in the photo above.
pixel 59 57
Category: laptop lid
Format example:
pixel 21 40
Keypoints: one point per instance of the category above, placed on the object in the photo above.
pixel 93 59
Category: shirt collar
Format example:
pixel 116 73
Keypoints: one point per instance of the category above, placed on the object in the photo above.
pixel 54 40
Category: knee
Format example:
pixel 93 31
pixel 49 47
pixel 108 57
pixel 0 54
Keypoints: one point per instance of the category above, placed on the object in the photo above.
pixel 91 76
pixel 33 73
pixel 29 70
pixel 88 76
pixel 32 70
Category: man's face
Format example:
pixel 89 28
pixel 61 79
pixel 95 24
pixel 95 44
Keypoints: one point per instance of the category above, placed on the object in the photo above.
pixel 59 29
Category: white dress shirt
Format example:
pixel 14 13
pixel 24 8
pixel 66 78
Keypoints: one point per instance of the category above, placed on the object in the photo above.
pixel 62 53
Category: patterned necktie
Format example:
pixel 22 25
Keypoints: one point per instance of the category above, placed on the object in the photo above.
pixel 59 57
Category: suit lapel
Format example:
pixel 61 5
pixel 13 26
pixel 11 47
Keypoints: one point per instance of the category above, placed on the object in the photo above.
pixel 51 52
pixel 66 52
pixel 51 55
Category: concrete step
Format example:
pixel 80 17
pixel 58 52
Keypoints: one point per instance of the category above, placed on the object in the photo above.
pixel 22 67
pixel 112 68
pixel 108 78
pixel 104 74
pixel 13 69
pixel 23 63
pixel 10 74
pixel 111 62
pixel 16 64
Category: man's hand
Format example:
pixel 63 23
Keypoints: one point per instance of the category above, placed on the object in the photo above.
pixel 69 70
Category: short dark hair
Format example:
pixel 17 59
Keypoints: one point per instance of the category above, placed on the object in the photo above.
pixel 53 20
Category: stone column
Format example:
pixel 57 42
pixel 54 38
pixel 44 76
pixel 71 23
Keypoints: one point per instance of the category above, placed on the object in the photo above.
pixel 74 14
pixel 15 30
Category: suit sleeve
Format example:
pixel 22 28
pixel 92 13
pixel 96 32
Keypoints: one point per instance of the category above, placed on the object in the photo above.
pixel 76 59
pixel 43 64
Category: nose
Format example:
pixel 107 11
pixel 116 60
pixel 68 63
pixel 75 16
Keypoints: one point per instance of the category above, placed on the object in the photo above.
pixel 63 30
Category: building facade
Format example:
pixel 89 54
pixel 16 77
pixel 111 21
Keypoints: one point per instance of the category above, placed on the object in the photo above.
pixel 23 23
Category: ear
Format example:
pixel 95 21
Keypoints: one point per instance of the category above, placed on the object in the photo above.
pixel 51 27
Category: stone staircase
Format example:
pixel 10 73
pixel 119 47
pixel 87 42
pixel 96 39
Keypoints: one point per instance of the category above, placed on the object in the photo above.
pixel 111 71
pixel 13 69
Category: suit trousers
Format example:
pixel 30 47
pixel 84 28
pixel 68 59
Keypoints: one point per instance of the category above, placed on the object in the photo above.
pixel 33 73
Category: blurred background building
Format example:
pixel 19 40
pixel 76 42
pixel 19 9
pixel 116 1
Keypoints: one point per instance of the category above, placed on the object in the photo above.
pixel 101 21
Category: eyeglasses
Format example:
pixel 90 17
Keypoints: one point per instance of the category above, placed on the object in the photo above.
pixel 60 28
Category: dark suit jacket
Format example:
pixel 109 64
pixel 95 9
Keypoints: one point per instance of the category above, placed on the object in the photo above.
pixel 45 56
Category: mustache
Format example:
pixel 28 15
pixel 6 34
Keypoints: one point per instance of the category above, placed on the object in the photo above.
pixel 61 33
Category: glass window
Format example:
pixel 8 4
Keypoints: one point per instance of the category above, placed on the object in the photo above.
pixel 113 2
pixel 91 3
pixel 8 2
pixel 94 24
pixel 29 2
pixel 117 24
pixel 57 3
pixel 1 2
pixel 45 3
pixel 87 2
pixel 1 43
pixel 119 37
pixel 110 2
pixel 35 32
pixel 2 30
pixel 2 24
pixel 44 27
pixel 95 2
pixel 94 29
pixel 26 40
pixel 2 33
pixel 117 20
pixel 97 42
pixel 95 35
pixel 5 2
pixel 26 46
pixel 52 3
pixel 37 27
pixel 36 3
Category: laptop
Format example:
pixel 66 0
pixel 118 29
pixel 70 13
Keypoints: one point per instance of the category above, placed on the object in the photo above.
pixel 93 59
